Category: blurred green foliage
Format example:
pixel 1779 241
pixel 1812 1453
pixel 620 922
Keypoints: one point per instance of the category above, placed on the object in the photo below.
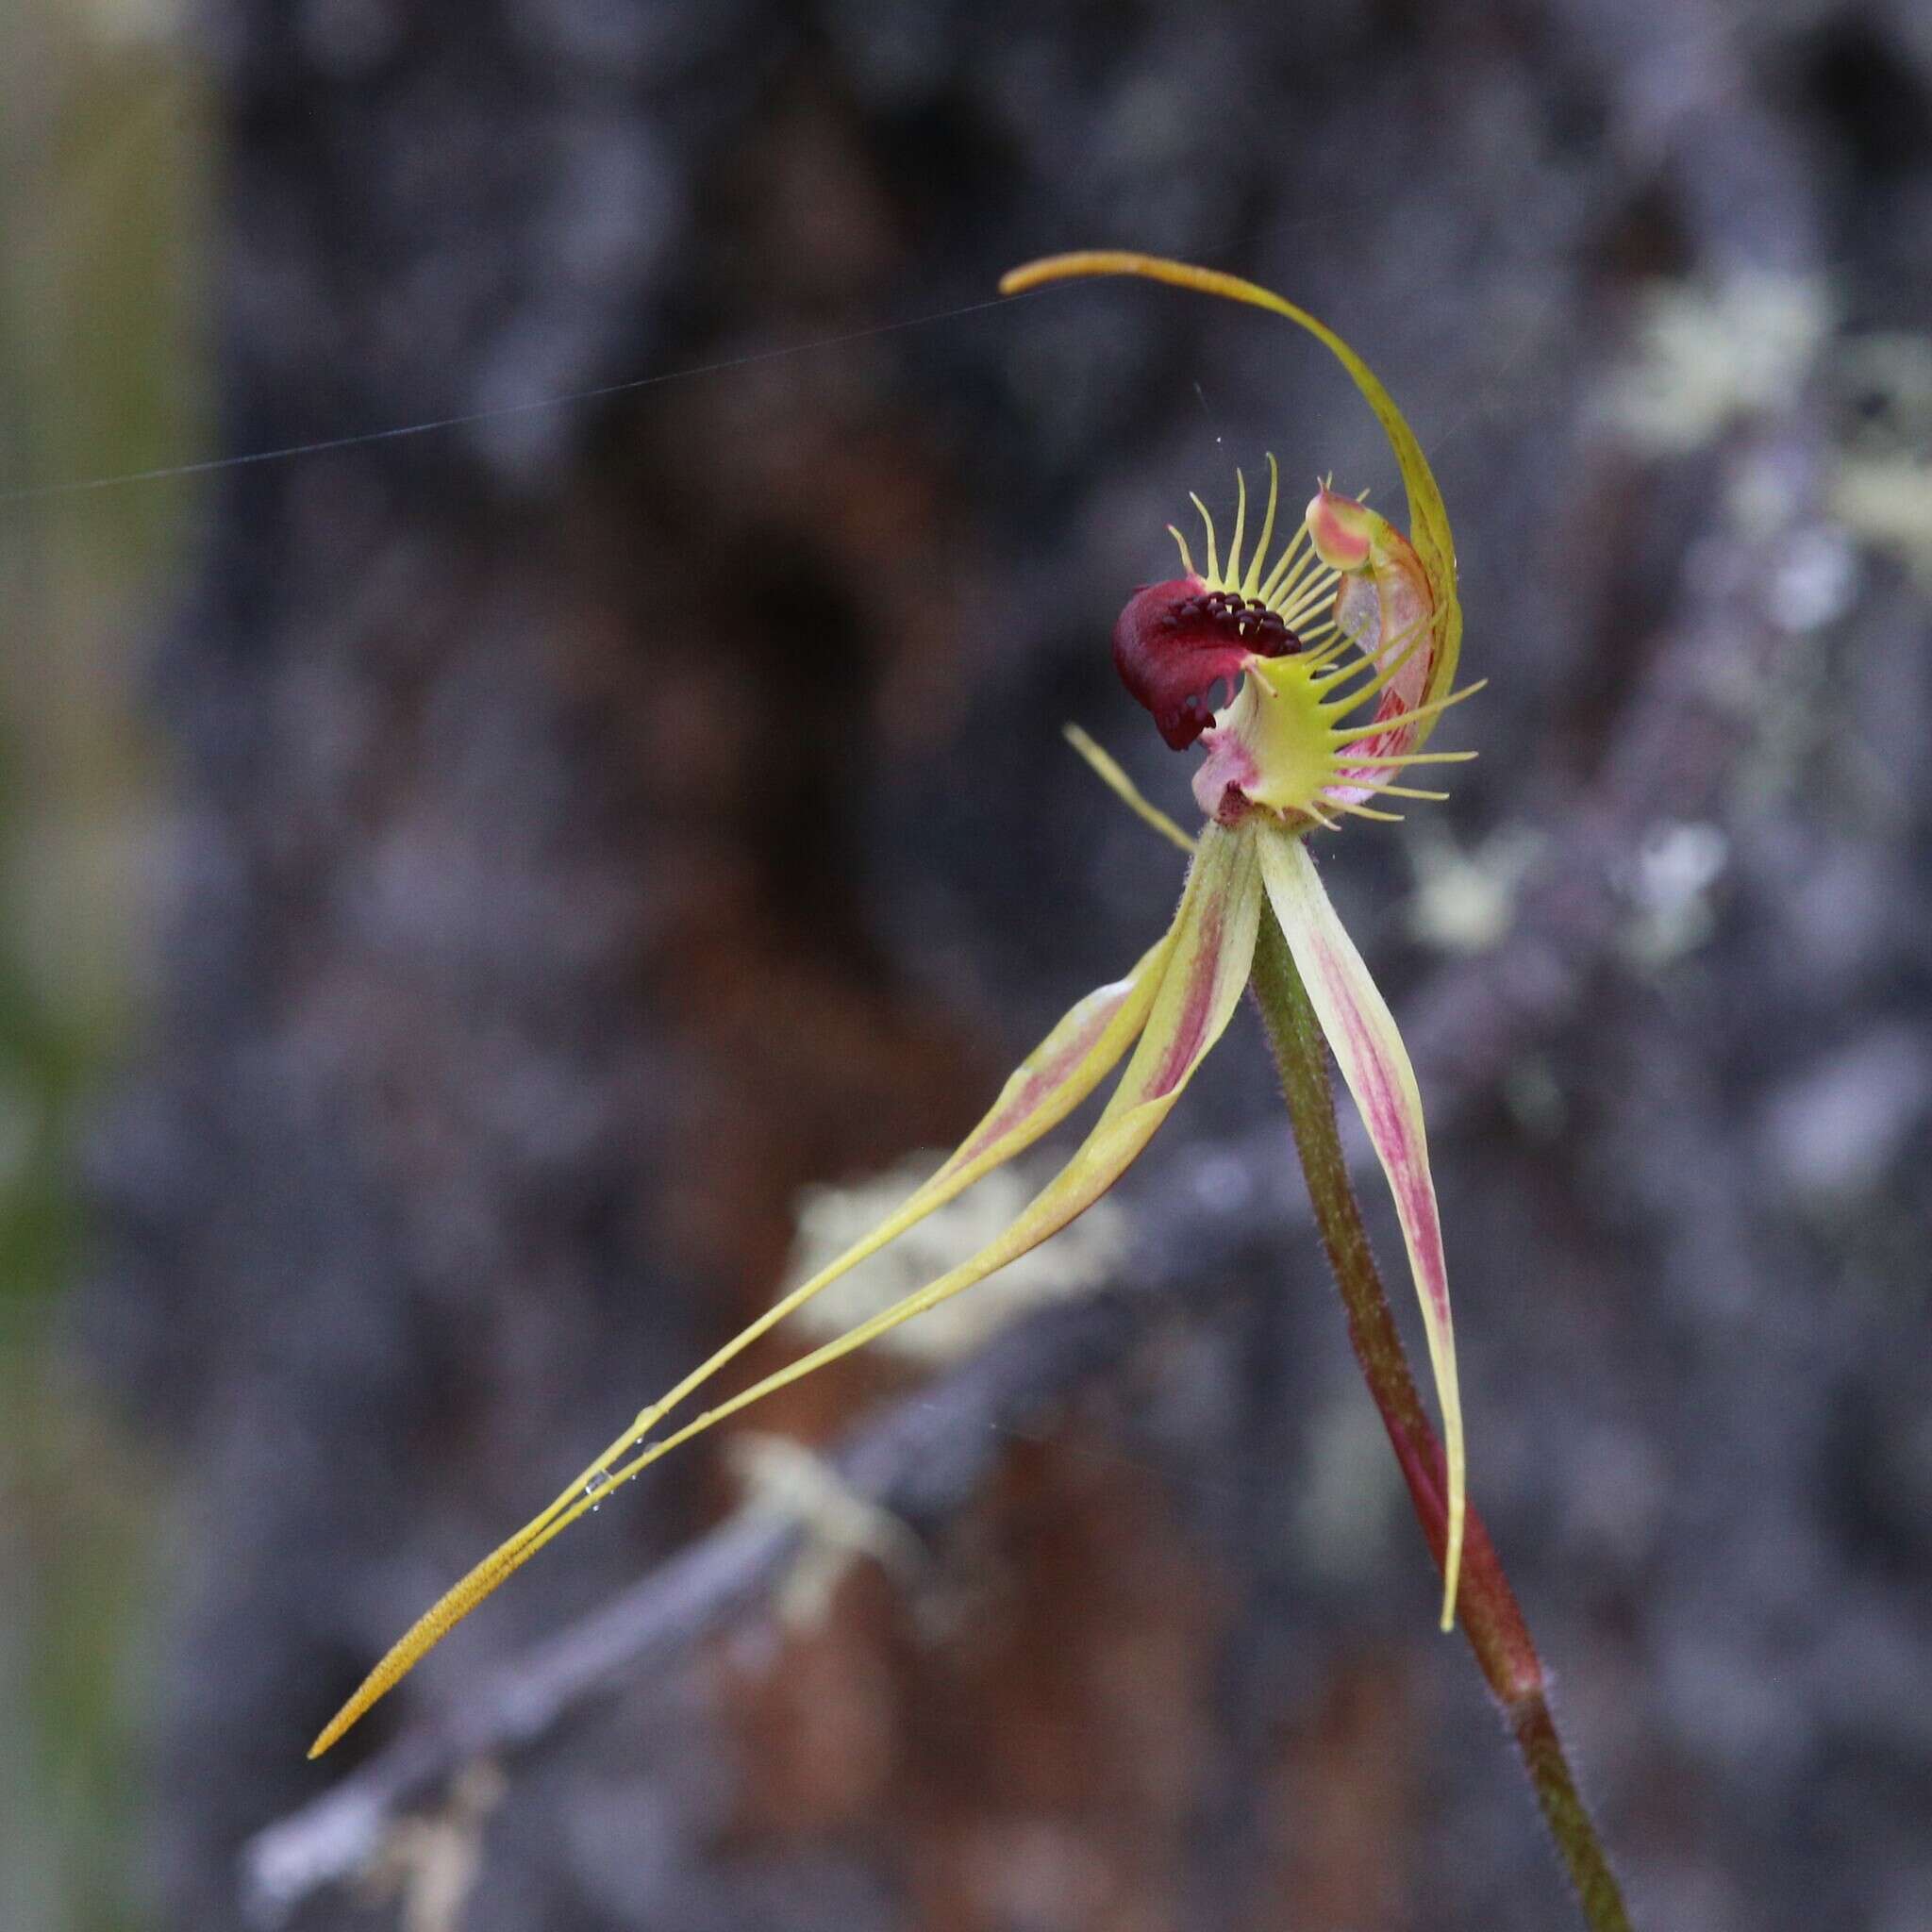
pixel 102 186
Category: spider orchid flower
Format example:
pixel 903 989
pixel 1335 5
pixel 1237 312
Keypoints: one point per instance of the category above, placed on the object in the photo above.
pixel 1335 655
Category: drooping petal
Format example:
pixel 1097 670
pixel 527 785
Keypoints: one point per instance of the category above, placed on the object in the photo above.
pixel 1361 1032
pixel 1434 542
pixel 1178 998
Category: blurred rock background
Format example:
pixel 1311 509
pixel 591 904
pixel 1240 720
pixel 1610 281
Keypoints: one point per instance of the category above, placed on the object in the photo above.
pixel 462 885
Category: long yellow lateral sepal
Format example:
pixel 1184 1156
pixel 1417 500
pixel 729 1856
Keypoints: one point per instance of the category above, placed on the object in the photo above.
pixel 1059 1073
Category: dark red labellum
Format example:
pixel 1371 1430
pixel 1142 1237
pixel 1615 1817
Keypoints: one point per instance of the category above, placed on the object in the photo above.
pixel 1175 642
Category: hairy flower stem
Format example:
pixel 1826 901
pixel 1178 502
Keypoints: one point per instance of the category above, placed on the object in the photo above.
pixel 1487 1606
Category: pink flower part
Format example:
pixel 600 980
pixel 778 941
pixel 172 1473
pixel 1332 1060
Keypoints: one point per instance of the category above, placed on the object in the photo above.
pixel 1202 975
pixel 1223 776
pixel 1066 1066
pixel 1387 610
pixel 1340 528
pixel 1175 642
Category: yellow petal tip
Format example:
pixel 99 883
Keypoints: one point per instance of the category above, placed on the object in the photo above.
pixel 1452 1558
pixel 330 1734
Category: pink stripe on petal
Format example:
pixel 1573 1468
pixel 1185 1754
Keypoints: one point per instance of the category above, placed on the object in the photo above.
pixel 1214 947
pixel 1374 1064
pixel 1389 612
pixel 1055 1072
pixel 1197 1006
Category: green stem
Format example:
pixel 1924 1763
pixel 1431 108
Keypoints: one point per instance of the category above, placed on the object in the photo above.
pixel 1488 1612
